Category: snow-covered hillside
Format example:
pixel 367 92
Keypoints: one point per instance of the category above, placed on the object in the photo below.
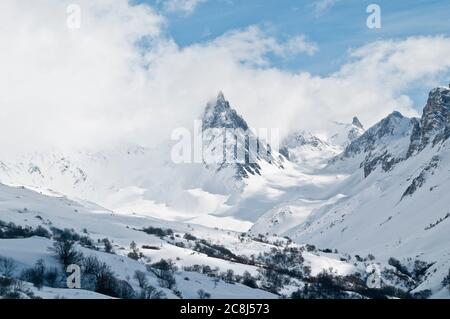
pixel 331 207
pixel 212 260
pixel 392 203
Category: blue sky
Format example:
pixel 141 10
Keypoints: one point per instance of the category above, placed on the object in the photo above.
pixel 336 30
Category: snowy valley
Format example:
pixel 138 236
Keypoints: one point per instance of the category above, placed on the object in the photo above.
pixel 353 213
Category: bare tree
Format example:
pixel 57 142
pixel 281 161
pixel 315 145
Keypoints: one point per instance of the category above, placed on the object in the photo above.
pixel 151 292
pixel 7 267
pixel 165 271
pixel 141 278
pixel 66 252
pixel 203 294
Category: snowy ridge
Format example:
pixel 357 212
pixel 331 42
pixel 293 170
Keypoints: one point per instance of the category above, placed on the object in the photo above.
pixel 347 200
pixel 384 144
pixel 393 202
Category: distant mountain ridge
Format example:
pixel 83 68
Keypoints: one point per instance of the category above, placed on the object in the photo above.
pixel 311 151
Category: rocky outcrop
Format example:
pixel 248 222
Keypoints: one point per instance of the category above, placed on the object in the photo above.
pixel 378 146
pixel 434 126
pixel 221 115
pixel 420 180
pixel 224 129
pixel 356 122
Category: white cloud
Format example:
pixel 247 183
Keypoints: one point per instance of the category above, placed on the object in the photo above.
pixel 371 84
pixel 95 86
pixel 323 5
pixel 252 45
pixel 69 86
pixel 299 44
pixel 183 6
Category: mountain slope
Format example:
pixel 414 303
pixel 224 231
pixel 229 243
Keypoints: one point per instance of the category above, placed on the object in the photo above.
pixel 394 202
pixel 385 195
pixel 209 259
pixel 384 144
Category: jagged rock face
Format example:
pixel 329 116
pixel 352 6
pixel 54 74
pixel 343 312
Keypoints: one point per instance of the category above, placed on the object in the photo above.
pixel 242 150
pixel 357 123
pixel 421 179
pixel 436 114
pixel 434 125
pixel 221 115
pixel 392 125
pixel 381 145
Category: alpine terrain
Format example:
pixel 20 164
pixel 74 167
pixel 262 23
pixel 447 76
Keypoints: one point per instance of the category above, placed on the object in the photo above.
pixel 354 212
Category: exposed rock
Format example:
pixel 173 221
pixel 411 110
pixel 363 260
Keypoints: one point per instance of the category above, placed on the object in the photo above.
pixel 377 145
pixel 434 126
pixel 420 180
pixel 221 115
pixel 242 149
pixel 357 123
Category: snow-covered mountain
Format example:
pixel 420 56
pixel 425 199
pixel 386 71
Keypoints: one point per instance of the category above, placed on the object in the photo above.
pixel 308 150
pixel 225 130
pixel 383 145
pixel 347 200
pixel 136 179
pixel 342 134
pixel 393 201
pixel 312 151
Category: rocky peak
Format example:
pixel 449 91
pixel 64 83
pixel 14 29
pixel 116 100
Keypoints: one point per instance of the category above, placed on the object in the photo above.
pixel 436 114
pixel 376 133
pixel 219 114
pixel 378 145
pixel 434 126
pixel 342 134
pixel 357 123
pixel 388 124
pixel 221 99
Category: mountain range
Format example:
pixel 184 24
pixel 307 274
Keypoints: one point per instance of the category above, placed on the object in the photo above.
pixel 342 201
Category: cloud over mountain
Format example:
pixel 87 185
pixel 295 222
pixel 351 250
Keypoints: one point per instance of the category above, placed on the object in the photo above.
pixel 121 77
